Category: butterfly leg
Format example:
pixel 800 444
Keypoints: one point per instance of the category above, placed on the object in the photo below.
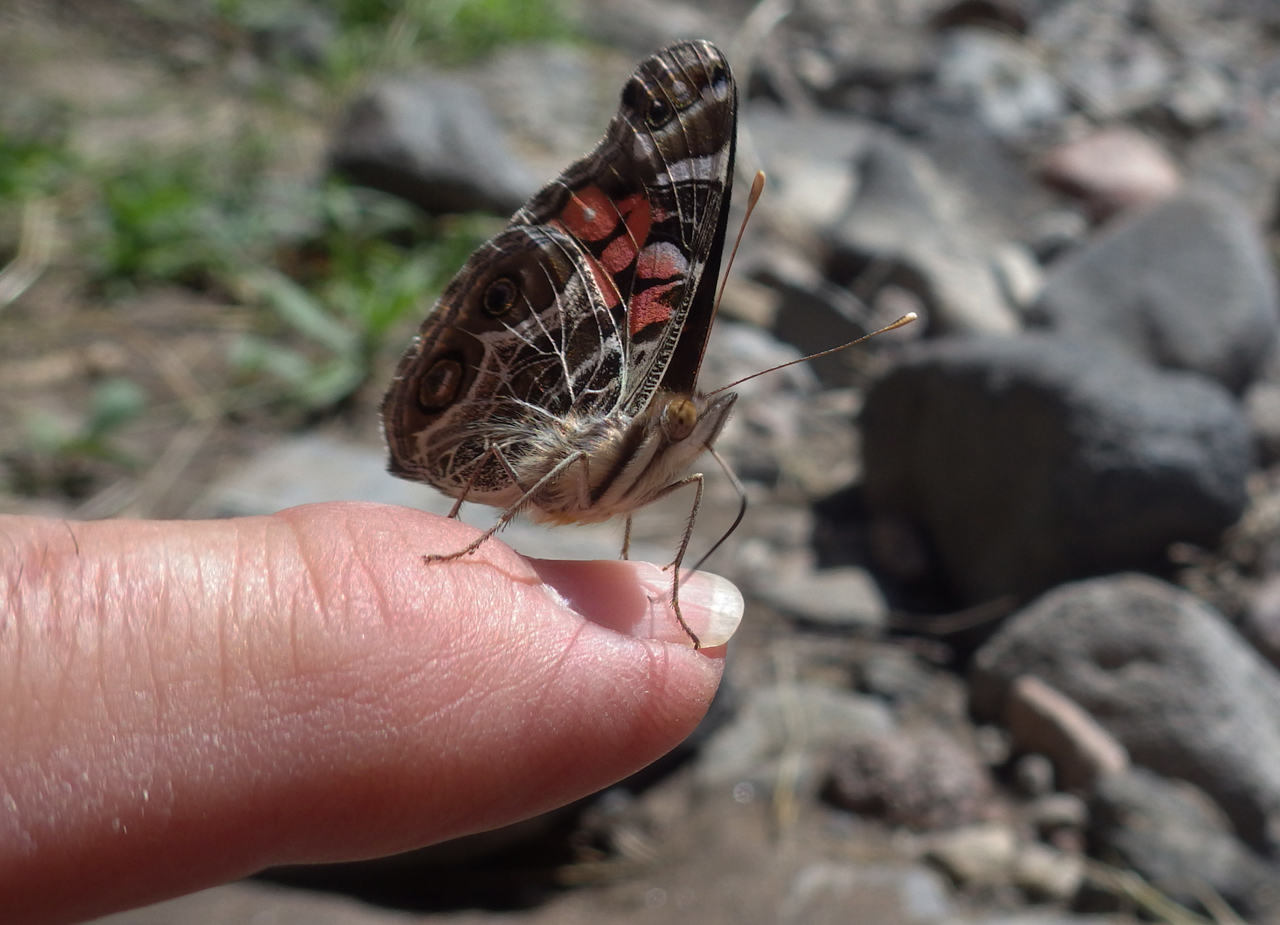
pixel 491 451
pixel 509 514
pixel 695 479
pixel 626 540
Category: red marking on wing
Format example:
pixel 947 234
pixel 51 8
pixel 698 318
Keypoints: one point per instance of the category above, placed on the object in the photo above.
pixel 649 307
pixel 639 217
pixel 590 215
pixel 623 249
pixel 662 260
pixel 619 254
pixel 608 288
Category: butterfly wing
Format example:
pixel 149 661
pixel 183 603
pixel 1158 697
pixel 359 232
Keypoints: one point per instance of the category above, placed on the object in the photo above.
pixel 649 208
pixel 578 307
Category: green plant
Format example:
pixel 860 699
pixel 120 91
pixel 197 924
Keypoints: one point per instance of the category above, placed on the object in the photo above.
pixel 468 28
pixel 394 34
pixel 376 263
pixel 190 218
pixel 34 158
pixel 112 404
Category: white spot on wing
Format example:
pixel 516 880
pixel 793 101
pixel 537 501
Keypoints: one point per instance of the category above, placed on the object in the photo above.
pixel 692 168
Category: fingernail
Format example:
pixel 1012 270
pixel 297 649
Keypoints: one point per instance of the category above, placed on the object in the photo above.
pixel 634 598
pixel 711 606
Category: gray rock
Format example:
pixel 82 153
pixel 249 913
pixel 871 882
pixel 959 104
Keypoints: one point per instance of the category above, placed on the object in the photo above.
pixel 1005 16
pixel 310 469
pixel 1202 97
pixel 905 228
pixel 924 780
pixel 839 598
pixel 977 854
pixel 825 891
pixel 1009 89
pixel 863 54
pixel 1001 197
pixel 259 903
pixel 895 674
pixel 299 35
pixel 1112 68
pixel 1175 837
pixel 1243 164
pixel 1053 812
pixel 808 718
pixel 1262 404
pixel 1032 460
pixel 1184 285
pixel 433 141
pixel 554 98
pixel 1047 873
pixel 1053 917
pixel 644 25
pixel 1055 232
pixel 1033 774
pixel 1165 674
pixel 806 157
pixel 1261 622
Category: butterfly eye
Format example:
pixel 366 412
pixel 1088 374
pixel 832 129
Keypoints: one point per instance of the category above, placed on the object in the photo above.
pixel 439 385
pixel 679 418
pixel 658 112
pixel 499 297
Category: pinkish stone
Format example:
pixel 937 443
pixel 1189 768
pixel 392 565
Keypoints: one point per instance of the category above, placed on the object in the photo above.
pixel 1112 169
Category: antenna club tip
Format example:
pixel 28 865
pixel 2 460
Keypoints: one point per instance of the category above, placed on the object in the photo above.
pixel 905 319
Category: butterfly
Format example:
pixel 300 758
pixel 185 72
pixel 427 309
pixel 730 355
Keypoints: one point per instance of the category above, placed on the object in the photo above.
pixel 557 374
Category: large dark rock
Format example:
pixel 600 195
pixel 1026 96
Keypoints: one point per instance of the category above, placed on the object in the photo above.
pixel 1166 675
pixel 434 142
pixel 1184 285
pixel 1033 460
pixel 1176 838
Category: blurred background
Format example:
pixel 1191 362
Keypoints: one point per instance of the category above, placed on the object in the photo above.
pixel 1012 572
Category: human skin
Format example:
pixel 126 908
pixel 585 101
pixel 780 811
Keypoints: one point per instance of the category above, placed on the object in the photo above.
pixel 183 703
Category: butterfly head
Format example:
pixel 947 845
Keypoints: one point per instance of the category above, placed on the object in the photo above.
pixel 693 420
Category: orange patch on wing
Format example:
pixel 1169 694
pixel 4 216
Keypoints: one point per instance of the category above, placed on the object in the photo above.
pixel 650 307
pixel 638 219
pixel 604 282
pixel 619 254
pixel 590 215
pixel 661 260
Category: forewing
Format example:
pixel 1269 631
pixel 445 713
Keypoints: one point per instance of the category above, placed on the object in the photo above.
pixel 648 208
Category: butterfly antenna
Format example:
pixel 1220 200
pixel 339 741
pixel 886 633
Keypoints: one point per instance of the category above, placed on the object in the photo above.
pixel 757 187
pixel 905 319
